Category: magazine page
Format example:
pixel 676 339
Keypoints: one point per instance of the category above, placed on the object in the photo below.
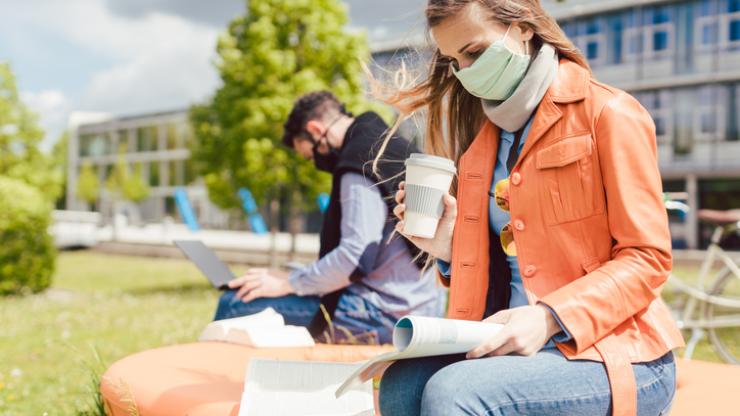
pixel 302 388
pixel 419 336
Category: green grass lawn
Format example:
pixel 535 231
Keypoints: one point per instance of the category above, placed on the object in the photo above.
pixel 112 305
pixel 107 305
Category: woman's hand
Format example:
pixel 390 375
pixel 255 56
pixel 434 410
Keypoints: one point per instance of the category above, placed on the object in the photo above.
pixel 526 329
pixel 261 283
pixel 441 245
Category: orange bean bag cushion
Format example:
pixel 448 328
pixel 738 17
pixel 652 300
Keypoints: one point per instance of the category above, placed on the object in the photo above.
pixel 207 379
pixel 200 379
pixel 706 389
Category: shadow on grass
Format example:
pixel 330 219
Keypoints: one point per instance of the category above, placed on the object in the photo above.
pixel 187 289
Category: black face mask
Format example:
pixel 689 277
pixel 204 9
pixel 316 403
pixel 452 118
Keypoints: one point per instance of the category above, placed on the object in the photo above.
pixel 327 162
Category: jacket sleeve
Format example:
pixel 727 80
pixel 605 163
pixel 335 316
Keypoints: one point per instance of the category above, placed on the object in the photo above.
pixel 364 215
pixel 594 305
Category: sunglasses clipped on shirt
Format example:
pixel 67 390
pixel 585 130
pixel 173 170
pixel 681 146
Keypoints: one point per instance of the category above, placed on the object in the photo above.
pixel 500 195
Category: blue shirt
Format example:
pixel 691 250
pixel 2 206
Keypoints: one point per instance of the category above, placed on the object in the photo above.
pixel 393 284
pixel 498 218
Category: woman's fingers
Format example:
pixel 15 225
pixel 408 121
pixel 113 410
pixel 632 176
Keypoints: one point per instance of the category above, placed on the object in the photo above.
pixel 508 348
pixel 398 211
pixel 400 195
pixel 500 317
pixel 450 206
pixel 493 344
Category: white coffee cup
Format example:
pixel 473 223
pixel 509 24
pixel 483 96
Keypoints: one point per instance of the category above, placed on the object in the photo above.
pixel 428 179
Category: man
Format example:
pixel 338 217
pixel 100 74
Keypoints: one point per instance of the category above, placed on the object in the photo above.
pixel 364 279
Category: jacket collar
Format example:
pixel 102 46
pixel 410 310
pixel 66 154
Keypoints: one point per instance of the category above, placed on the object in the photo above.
pixel 571 83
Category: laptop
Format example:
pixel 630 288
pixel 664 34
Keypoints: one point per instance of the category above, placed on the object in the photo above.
pixel 214 269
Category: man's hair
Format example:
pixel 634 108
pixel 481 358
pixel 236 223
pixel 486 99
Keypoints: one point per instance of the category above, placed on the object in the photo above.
pixel 312 106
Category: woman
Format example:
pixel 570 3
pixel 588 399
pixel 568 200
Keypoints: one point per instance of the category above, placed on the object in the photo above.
pixel 557 229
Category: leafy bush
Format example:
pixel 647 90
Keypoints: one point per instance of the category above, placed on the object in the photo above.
pixel 27 251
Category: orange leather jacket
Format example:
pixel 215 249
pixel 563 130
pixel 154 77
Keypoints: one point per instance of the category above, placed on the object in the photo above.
pixel 589 222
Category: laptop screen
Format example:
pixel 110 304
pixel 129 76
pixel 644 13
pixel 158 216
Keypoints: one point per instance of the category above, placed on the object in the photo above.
pixel 214 269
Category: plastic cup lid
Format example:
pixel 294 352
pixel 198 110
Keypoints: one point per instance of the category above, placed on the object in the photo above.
pixel 429 161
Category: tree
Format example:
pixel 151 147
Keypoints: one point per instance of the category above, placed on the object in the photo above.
pixel 123 184
pixel 125 187
pixel 135 188
pixel 59 162
pixel 20 136
pixel 278 51
pixel 27 254
pixel 88 184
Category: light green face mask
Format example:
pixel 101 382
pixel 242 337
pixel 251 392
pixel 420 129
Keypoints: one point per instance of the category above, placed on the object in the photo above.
pixel 496 73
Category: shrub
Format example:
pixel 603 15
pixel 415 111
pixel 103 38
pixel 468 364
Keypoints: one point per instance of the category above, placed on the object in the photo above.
pixel 27 250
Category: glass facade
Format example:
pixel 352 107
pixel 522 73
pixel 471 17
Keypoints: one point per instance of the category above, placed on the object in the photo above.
pixel 95 145
pixel 168 167
pixel 681 60
pixel 664 32
pixel 679 48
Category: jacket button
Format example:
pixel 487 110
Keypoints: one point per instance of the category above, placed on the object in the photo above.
pixel 530 270
pixel 516 178
pixel 519 225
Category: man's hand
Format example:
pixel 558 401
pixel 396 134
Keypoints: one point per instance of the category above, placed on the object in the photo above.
pixel 526 329
pixel 261 283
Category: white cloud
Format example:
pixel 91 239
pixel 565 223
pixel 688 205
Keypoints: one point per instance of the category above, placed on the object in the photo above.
pixel 171 69
pixel 159 61
pixel 53 107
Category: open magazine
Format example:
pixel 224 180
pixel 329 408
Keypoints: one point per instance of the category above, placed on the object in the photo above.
pixel 419 336
pixel 265 329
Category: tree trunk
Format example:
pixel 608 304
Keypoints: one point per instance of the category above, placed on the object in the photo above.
pixel 295 222
pixel 274 222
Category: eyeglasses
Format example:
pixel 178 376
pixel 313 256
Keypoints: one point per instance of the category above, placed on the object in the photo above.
pixel 317 143
pixel 501 195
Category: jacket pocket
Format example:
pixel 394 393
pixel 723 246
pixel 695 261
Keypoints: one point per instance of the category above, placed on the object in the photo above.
pixel 568 179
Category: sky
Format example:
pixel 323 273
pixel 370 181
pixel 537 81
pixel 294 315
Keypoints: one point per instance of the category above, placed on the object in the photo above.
pixel 129 57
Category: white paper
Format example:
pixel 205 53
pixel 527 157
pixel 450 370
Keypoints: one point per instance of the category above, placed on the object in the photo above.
pixel 419 336
pixel 302 388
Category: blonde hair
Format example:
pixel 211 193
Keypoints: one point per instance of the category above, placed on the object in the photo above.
pixel 453 115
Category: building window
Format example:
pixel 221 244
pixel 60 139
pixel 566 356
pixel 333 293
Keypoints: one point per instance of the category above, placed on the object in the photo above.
pixel 171 136
pixel 190 173
pixel 632 35
pixel 95 145
pixel 146 139
pixel 659 32
pixel 654 39
pixel 658 104
pixel 591 40
pixel 707 32
pixel 706 25
pixel 153 174
pixel 733 133
pixel 734 22
pixel 729 25
pixel 709 114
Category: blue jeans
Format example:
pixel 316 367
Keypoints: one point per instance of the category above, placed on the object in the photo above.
pixel 544 384
pixel 355 320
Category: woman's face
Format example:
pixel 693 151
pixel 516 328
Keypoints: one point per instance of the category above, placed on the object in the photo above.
pixel 462 38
